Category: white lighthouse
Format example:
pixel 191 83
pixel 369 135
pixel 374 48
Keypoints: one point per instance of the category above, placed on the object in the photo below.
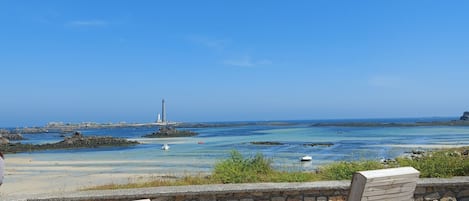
pixel 158 120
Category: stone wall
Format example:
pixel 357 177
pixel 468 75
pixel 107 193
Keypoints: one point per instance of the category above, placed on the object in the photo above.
pixel 427 189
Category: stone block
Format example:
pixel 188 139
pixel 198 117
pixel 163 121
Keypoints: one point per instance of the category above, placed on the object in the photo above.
pixel 207 198
pixel 312 192
pixel 344 192
pixel 309 199
pixel 464 193
pixel 322 198
pixel 258 194
pixel 246 199
pixel 448 196
pixel 448 199
pixel 432 196
pixel 337 198
pixel 180 198
pixel 296 197
pixel 420 190
pixel 429 190
pixel 291 193
pixel 327 192
pixel 242 195
pixel 278 198
pixel 162 199
pixel 441 189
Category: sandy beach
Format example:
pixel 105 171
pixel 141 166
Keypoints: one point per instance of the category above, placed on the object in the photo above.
pixel 25 176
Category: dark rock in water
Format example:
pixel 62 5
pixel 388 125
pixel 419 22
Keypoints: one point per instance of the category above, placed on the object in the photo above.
pixel 415 154
pixel 418 152
pixel 169 131
pixel 77 140
pixel 327 144
pixel 387 161
pixel 267 143
pixel 465 116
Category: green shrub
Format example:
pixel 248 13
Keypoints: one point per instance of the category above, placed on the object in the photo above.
pixel 237 169
pixel 439 164
pixel 344 170
pixel 278 176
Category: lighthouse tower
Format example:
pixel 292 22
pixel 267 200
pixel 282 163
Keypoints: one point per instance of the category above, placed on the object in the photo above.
pixel 163 112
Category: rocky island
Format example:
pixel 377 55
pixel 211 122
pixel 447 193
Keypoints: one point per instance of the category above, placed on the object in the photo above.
pixel 465 116
pixel 274 143
pixel 77 140
pixel 381 124
pixel 169 131
pixel 266 143
pixel 463 121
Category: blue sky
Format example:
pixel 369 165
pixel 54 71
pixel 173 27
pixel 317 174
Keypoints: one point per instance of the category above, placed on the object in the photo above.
pixel 111 61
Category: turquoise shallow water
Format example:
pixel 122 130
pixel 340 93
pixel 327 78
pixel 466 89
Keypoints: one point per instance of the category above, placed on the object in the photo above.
pixel 186 155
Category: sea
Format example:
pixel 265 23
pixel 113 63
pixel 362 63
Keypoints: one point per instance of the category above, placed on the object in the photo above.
pixel 199 154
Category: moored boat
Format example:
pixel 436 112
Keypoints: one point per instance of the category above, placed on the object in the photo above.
pixel 306 158
pixel 165 147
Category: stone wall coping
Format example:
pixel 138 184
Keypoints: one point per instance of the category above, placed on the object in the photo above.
pixel 139 193
pixel 198 189
pixel 435 182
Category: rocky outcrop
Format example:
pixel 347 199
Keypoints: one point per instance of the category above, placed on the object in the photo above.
pixel 274 143
pixel 77 140
pixel 15 134
pixel 380 124
pixel 168 131
pixel 266 143
pixel 12 136
pixel 326 144
pixel 4 141
pixel 465 116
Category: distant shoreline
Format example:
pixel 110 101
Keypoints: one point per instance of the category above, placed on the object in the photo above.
pixel 381 124
pixel 70 128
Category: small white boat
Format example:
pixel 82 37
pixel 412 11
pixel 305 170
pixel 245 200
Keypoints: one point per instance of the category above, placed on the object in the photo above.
pixel 306 158
pixel 165 147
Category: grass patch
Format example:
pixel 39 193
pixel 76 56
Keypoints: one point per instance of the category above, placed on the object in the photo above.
pixel 445 163
pixel 182 181
pixel 345 170
pixel 239 169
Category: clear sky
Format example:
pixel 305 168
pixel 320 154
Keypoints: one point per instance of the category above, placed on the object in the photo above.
pixel 111 61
